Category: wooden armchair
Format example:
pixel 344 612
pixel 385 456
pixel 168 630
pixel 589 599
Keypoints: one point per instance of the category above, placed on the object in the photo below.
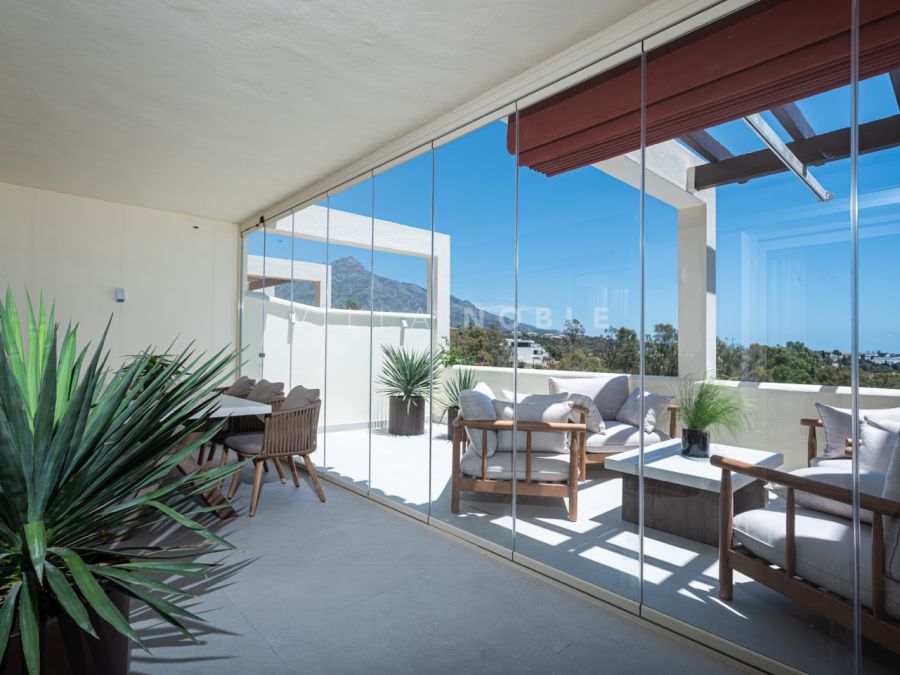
pixel 526 485
pixel 876 625
pixel 284 434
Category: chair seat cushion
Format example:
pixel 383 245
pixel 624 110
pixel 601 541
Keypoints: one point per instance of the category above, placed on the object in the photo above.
pixel 248 444
pixel 546 467
pixel 619 436
pixel 841 475
pixel 841 462
pixel 824 545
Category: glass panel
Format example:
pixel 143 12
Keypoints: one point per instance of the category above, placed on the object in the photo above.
pixel 402 333
pixel 277 304
pixel 579 313
pixel 253 303
pixel 879 340
pixel 348 375
pixel 474 281
pixel 763 308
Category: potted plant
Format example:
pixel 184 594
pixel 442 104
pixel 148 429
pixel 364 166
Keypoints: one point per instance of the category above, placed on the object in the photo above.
pixel 462 379
pixel 405 377
pixel 84 457
pixel 705 405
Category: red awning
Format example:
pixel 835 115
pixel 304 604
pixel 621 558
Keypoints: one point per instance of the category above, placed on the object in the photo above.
pixel 767 55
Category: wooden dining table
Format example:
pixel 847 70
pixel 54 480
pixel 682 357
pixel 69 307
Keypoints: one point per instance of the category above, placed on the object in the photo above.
pixel 226 406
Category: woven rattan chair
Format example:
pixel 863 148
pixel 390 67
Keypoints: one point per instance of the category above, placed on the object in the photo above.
pixel 284 434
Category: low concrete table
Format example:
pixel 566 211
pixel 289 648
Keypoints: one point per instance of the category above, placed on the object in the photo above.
pixel 681 494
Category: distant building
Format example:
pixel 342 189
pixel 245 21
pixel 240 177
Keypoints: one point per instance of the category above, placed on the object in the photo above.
pixel 528 352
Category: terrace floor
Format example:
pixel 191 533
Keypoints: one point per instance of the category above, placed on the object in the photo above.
pixel 680 575
pixel 349 586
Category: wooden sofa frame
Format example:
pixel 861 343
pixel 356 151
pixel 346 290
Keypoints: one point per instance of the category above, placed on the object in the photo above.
pixel 876 625
pixel 568 489
pixel 600 457
pixel 812 446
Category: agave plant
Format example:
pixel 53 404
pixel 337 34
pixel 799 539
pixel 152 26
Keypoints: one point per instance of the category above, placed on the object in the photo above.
pixel 406 373
pixel 84 457
pixel 462 379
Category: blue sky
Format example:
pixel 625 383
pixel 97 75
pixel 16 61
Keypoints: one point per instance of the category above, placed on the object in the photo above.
pixel 782 256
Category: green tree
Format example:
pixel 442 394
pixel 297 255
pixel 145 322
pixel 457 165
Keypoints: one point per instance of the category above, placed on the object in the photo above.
pixel 477 346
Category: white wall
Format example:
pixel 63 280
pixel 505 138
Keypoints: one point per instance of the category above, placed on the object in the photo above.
pixel 180 273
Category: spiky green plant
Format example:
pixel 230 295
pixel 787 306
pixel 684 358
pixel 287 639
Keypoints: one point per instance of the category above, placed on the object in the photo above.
pixel 405 373
pixel 705 405
pixel 462 379
pixel 84 457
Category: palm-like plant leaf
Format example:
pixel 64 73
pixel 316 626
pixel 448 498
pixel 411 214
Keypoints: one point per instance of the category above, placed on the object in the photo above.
pixel 462 379
pixel 84 454
pixel 406 373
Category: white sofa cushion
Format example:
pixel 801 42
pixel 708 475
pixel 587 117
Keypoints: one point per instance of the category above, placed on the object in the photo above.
pixel 892 525
pixel 545 467
pixel 618 437
pixel 654 408
pixel 840 475
pixel 593 420
pixel 541 441
pixel 824 546
pixel 609 392
pixel 475 405
pixel 485 389
pixel 877 442
pixel 838 424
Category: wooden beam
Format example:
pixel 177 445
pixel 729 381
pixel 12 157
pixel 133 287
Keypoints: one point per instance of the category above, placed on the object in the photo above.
pixel 793 121
pixel 706 146
pixel 816 151
pixel 895 83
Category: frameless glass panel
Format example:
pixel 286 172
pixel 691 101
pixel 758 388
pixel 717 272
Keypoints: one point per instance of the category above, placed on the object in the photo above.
pixel 879 341
pixel 760 315
pixel 348 369
pixel 276 291
pixel 253 303
pixel 474 282
pixel 402 333
pixel 579 313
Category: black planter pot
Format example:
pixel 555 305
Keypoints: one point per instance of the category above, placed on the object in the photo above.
pixel 452 414
pixel 694 443
pixel 406 422
pixel 68 650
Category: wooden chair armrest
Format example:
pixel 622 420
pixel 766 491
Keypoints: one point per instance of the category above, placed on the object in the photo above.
pixel 839 494
pixel 812 448
pixel 811 422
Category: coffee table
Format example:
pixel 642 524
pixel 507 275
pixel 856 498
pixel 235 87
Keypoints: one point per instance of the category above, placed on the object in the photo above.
pixel 681 494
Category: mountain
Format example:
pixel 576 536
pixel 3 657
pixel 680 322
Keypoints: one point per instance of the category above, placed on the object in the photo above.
pixel 351 288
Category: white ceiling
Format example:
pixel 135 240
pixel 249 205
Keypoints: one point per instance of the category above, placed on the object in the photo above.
pixel 219 109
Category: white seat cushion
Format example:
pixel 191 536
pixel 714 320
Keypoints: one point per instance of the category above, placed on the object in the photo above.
pixel 545 467
pixel 842 463
pixel 249 444
pixel 824 545
pixel 839 474
pixel 619 436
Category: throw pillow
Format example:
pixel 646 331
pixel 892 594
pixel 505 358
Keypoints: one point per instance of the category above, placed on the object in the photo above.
pixel 474 405
pixel 541 441
pixel 838 424
pixel 264 390
pixel 484 389
pixel 609 392
pixel 877 442
pixel 870 482
pixel 240 388
pixel 593 420
pixel 892 525
pixel 654 408
pixel 299 397
pixel 533 398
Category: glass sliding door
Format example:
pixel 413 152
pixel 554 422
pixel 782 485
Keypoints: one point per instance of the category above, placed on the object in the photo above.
pixel 348 388
pixel 473 276
pixel 402 333
pixel 878 96
pixel 253 303
pixel 577 344
pixel 748 188
pixel 276 288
